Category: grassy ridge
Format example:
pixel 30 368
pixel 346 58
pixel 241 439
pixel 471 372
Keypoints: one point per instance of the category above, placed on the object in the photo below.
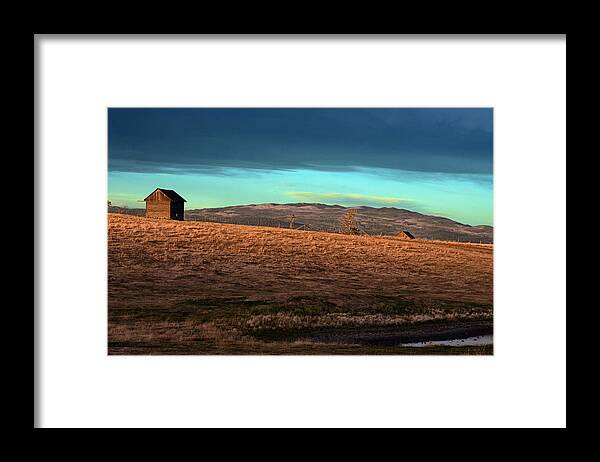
pixel 207 288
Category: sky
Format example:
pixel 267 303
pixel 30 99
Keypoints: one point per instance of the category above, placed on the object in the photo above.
pixel 433 161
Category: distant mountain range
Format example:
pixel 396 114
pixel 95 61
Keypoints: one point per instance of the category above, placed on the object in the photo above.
pixel 321 217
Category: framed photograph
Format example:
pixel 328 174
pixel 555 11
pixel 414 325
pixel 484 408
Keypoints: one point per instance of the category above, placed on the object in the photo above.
pixel 323 231
pixel 245 231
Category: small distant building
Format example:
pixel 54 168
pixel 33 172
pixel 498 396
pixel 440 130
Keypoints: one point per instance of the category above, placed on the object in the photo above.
pixel 164 203
pixel 404 235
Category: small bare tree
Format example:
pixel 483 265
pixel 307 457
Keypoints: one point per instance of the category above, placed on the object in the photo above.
pixel 348 223
pixel 291 219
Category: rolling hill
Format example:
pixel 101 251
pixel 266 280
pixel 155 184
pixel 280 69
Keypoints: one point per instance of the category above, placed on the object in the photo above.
pixel 188 287
pixel 384 221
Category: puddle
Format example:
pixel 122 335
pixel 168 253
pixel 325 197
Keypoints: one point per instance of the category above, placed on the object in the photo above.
pixel 468 341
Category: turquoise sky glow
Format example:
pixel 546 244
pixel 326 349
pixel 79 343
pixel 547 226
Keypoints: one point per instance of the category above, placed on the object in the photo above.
pixel 434 161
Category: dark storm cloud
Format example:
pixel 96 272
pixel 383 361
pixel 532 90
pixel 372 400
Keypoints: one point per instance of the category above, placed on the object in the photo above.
pixel 213 140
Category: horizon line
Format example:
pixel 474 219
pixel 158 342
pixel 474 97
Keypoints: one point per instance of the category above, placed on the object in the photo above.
pixel 317 203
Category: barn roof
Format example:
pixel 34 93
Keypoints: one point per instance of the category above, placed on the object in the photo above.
pixel 169 193
pixel 405 233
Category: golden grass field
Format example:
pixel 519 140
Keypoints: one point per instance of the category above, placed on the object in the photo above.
pixel 209 288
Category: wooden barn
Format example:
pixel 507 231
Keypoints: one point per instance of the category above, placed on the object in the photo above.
pixel 404 235
pixel 164 203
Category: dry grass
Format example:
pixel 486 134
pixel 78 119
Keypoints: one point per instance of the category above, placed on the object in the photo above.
pixel 212 285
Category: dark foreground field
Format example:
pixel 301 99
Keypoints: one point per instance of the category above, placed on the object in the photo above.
pixel 208 288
